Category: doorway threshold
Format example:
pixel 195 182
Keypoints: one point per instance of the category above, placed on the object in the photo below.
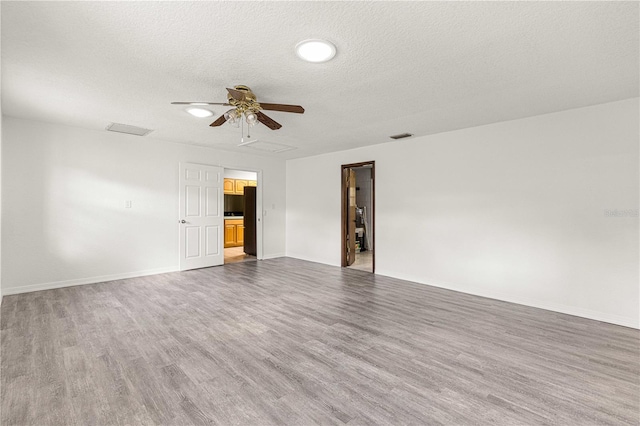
pixel 237 255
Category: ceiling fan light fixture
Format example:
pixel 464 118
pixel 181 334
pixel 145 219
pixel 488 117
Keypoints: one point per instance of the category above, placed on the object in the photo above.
pixel 199 112
pixel 316 50
pixel 231 116
pixel 251 118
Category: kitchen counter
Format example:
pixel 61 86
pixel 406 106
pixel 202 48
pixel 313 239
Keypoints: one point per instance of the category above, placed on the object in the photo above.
pixel 234 217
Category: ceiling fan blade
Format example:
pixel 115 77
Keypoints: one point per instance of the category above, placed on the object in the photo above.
pixel 199 103
pixel 282 107
pixel 236 94
pixel 267 121
pixel 219 122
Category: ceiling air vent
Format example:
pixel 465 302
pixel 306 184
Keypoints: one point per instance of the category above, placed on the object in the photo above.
pixel 125 128
pixel 401 136
pixel 259 145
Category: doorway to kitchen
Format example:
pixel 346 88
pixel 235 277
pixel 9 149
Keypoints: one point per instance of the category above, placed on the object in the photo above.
pixel 358 216
pixel 240 216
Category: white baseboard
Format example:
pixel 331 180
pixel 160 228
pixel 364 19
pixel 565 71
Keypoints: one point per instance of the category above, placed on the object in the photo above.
pixel 570 310
pixel 82 281
pixel 548 306
pixel 94 280
pixel 309 259
pixel 272 256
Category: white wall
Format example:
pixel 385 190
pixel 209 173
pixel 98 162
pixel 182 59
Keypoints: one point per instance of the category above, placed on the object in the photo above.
pixel 240 174
pixel 64 190
pixel 513 210
pixel 1 118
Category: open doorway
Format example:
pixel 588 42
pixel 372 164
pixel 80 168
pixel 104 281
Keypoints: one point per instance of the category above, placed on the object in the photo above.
pixel 240 216
pixel 358 216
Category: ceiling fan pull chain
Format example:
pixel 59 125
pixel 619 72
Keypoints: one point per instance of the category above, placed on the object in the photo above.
pixel 241 130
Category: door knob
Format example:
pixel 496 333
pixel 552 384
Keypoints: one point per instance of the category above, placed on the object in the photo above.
pixel 183 221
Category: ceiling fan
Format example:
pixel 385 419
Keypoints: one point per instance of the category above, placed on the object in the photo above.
pixel 245 104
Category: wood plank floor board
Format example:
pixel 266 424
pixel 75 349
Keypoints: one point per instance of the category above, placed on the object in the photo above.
pixel 284 341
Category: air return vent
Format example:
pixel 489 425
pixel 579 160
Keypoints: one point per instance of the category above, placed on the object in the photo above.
pixel 266 146
pixel 401 136
pixel 125 128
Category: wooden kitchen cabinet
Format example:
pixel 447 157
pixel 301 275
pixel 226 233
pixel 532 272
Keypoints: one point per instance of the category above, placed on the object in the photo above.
pixel 229 235
pixel 236 186
pixel 240 234
pixel 233 232
pixel 240 184
pixel 229 186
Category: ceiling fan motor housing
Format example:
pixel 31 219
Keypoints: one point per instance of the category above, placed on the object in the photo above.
pixel 247 102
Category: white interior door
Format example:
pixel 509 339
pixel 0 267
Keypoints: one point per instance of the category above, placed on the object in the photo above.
pixel 201 218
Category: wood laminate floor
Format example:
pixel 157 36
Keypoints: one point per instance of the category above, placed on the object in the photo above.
pixel 237 254
pixel 289 342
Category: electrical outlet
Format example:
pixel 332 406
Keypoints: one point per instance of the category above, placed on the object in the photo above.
pixel 127 204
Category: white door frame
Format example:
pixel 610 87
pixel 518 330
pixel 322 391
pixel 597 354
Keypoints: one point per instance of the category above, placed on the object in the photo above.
pixel 259 208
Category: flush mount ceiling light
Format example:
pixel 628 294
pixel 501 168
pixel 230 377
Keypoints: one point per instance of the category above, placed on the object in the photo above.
pixel 199 112
pixel 315 50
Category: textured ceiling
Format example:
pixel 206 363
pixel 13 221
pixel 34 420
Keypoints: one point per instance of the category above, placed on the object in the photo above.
pixel 418 67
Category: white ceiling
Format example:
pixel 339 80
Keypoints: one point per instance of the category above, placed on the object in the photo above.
pixel 418 67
